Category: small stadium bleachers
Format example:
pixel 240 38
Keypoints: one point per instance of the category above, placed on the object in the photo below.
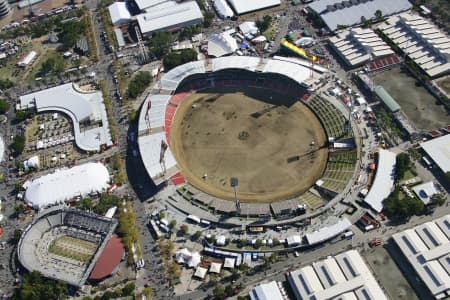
pixel 311 200
pixel 332 119
pixel 340 169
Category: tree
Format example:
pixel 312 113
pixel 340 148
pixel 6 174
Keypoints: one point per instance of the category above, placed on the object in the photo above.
pixel 35 287
pixel 174 59
pixel 18 144
pixel 229 290
pixel 264 24
pixel 197 234
pixel 53 65
pixel 128 289
pixel 160 43
pixel 219 291
pixel 6 84
pixel 161 215
pixel 378 15
pixel 402 164
pixel 4 106
pixel 208 18
pixel 173 223
pixel 258 243
pixel 438 199
pixel 139 83
pixel 85 203
pixel 184 229
pixel 396 208
pixel 243 267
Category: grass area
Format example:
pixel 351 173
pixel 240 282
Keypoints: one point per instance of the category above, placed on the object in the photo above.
pixel 73 248
pixel 408 175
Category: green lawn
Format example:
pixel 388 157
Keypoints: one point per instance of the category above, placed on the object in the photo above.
pixel 408 175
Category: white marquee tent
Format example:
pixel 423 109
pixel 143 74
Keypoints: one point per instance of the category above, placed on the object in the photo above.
pixel 65 184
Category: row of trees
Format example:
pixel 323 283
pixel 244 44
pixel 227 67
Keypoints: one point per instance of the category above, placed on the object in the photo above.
pixel 42 27
pixel 36 287
pixel 138 84
pixel 402 164
pixel 4 106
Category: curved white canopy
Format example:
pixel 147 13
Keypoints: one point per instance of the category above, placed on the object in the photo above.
pixel 65 184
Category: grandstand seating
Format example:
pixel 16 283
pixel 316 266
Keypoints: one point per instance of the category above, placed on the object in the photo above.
pixel 86 221
pixel 332 119
pixel 339 170
pixel 311 200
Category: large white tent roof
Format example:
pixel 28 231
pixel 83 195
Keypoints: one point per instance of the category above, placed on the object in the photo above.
pixel 119 13
pixel 439 150
pixel 245 6
pixel 384 180
pixel 79 106
pixel 221 44
pixel 65 184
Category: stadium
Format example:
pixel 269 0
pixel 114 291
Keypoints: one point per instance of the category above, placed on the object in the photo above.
pixel 70 245
pixel 253 119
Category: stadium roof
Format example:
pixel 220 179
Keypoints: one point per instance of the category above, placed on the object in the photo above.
pixel 65 184
pixel 349 13
pixel 420 39
pixel 156 115
pixel 384 180
pixel 170 17
pixel 344 276
pixel 358 45
pixel 427 249
pixel 439 150
pixel 119 13
pixel 387 99
pixel 221 44
pixel 79 106
pixel 266 291
pixel 246 6
pixel 109 259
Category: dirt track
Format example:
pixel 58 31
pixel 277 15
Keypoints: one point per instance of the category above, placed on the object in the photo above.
pixel 230 134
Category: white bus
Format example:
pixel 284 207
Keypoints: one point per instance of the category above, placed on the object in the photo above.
pixel 193 219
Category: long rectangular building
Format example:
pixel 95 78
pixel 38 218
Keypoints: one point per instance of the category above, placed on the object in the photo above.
pixel 336 13
pixel 359 45
pixel 343 276
pixel 421 40
pixel 427 249
pixel 170 17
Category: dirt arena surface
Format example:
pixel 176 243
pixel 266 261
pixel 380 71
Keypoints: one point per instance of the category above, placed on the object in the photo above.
pixel 265 143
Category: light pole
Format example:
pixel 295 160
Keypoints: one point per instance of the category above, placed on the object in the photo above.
pixel 234 183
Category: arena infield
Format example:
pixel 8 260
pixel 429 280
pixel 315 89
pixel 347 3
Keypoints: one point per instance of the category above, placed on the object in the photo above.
pixel 271 142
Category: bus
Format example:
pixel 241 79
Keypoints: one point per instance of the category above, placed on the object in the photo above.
pixel 427 162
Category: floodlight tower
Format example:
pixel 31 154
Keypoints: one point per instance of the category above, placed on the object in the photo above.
pixel 234 183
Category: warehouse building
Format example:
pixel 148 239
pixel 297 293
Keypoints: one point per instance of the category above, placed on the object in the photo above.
pixel 246 6
pixel 438 149
pixel 358 46
pixel 119 13
pixel 336 13
pixel 421 40
pixel 427 249
pixel 170 18
pixel 343 276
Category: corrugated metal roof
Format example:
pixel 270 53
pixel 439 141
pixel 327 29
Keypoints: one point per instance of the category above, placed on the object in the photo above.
pixel 347 13
pixel 245 6
pixel 387 99
pixel 183 14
